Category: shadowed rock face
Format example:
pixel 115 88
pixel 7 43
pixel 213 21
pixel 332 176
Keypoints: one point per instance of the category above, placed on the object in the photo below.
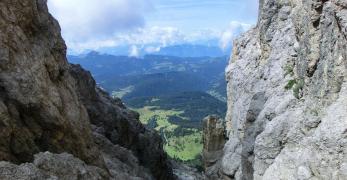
pixel 287 94
pixel 120 125
pixel 48 105
pixel 39 106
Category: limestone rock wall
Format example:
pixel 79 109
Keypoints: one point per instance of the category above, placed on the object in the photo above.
pixel 287 94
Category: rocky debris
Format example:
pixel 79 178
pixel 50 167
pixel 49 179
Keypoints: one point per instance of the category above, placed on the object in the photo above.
pixel 11 171
pixel 121 162
pixel 287 107
pixel 48 105
pixel 214 140
pixel 53 167
pixel 183 172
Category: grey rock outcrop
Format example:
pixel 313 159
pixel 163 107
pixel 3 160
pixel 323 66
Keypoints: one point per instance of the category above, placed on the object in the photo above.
pixel 287 94
pixel 53 167
pixel 121 162
pixel 39 107
pixel 120 125
pixel 214 140
pixel 184 172
pixel 47 104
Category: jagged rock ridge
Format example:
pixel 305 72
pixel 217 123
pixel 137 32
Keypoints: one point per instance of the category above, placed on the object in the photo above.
pixel 287 94
pixel 48 105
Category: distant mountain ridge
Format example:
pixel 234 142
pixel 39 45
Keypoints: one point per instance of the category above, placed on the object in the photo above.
pixel 177 50
pixel 180 74
pixel 189 50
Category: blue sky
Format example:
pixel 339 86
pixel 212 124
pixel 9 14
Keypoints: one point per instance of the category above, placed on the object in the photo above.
pixel 191 15
pixel 98 24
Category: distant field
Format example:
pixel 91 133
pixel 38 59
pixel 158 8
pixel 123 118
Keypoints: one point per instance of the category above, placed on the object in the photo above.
pixel 161 117
pixel 186 147
pixel 120 93
pixel 180 143
pixel 186 109
pixel 177 118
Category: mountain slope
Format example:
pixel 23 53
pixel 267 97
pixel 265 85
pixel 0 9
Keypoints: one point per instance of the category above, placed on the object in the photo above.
pixel 193 105
pixel 155 75
pixel 156 84
pixel 208 48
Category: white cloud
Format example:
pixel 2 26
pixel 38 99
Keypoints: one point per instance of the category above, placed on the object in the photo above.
pixel 155 36
pixel 235 29
pixel 83 20
pixel 152 39
pixel 97 24
pixel 134 51
pixel 152 49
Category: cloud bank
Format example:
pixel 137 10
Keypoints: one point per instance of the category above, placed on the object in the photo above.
pixel 152 39
pixel 137 24
pixel 84 20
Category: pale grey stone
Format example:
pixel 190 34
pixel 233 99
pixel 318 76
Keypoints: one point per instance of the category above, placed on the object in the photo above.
pixel 297 58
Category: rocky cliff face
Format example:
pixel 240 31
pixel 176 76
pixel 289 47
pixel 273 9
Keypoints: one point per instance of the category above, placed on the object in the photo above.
pixel 287 94
pixel 48 105
pixel 214 140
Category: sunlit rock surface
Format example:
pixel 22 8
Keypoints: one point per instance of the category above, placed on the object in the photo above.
pixel 287 94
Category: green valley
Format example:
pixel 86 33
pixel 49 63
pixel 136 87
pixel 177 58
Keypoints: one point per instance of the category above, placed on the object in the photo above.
pixel 177 118
pixel 180 143
pixel 171 94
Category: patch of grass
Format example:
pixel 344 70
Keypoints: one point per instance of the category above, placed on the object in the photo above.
pixel 184 144
pixel 161 116
pixel 298 88
pixel 289 70
pixel 185 148
pixel 297 85
pixel 290 84
pixel 217 95
pixel 194 106
pixel 122 92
